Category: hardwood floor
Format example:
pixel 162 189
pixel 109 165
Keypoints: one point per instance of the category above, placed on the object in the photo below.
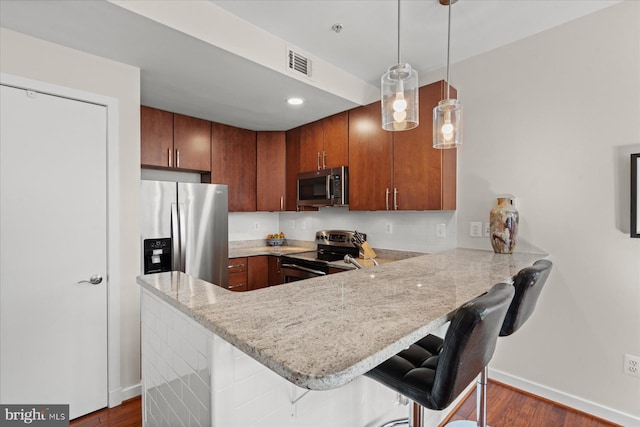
pixel 506 407
pixel 129 414
pixel 510 407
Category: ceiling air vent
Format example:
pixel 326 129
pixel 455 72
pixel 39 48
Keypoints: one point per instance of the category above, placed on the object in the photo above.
pixel 298 63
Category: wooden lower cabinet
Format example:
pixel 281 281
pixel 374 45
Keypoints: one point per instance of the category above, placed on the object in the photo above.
pixel 238 274
pixel 275 271
pixel 258 272
pixel 255 272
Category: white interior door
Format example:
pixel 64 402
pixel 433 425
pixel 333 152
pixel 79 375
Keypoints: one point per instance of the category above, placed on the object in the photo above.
pixel 53 178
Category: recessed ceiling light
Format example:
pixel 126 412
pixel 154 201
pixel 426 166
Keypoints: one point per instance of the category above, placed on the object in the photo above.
pixel 295 101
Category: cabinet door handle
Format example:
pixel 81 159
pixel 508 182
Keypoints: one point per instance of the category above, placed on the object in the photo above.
pixel 318 160
pixel 395 198
pixel 386 198
pixel 235 266
pixel 281 203
pixel 169 151
pixel 177 158
pixel 235 286
pixel 324 160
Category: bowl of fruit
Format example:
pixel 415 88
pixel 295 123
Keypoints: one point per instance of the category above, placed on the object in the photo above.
pixel 276 239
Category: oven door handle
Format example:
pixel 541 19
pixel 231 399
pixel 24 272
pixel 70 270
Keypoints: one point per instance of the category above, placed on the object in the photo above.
pixel 308 270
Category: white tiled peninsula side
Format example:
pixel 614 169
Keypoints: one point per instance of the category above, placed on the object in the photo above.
pixel 192 377
pixel 212 357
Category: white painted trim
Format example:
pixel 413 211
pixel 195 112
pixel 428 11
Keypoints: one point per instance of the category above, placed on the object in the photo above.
pixel 130 392
pixel 565 399
pixel 113 216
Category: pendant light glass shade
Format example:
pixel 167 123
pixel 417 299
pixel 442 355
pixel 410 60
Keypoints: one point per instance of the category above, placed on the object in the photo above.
pixel 447 115
pixel 399 93
pixel 447 124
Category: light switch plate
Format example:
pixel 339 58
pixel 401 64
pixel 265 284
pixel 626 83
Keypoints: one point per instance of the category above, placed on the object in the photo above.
pixel 475 230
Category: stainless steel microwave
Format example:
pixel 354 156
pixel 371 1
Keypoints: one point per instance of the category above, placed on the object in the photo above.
pixel 326 187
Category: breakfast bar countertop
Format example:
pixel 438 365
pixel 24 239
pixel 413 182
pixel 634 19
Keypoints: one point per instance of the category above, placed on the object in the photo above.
pixel 323 332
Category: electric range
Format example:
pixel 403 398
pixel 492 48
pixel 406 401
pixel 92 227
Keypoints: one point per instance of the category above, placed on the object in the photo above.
pixel 332 245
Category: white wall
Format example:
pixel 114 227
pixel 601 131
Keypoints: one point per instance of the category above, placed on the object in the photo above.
pixel 551 120
pixel 39 60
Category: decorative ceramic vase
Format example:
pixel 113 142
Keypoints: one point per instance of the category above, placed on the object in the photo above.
pixel 504 226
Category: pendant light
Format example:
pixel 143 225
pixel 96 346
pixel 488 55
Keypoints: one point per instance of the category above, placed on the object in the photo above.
pixel 399 94
pixel 447 115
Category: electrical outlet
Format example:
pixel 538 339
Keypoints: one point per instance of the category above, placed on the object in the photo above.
pixel 388 228
pixel 441 230
pixel 292 224
pixel 632 365
pixel 256 225
pixel 487 229
pixel 475 229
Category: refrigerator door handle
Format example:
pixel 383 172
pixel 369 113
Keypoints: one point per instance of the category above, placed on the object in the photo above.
pixel 183 234
pixel 175 239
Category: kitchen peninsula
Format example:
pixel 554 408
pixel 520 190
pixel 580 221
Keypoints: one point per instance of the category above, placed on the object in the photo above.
pixel 319 334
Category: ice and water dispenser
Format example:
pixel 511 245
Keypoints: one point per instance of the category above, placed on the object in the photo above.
pixel 157 255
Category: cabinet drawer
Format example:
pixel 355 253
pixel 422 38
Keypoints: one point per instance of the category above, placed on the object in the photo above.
pixel 237 265
pixel 238 281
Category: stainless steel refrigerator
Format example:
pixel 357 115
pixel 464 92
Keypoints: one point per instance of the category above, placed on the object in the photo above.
pixel 185 228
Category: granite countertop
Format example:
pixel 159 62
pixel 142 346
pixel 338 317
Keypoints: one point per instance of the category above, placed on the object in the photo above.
pixel 323 332
pixel 239 249
pixel 266 250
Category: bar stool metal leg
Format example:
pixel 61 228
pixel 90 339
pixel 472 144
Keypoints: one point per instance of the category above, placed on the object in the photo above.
pixel 481 404
pixel 418 415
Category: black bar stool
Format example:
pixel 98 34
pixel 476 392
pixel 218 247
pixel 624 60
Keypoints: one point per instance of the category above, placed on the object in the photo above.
pixel 528 284
pixel 433 372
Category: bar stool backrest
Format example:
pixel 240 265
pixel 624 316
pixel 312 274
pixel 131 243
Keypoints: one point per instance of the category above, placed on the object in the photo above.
pixel 469 344
pixel 528 284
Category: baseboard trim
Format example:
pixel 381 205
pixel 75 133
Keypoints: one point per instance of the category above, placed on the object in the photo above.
pixel 132 391
pixel 119 395
pixel 565 399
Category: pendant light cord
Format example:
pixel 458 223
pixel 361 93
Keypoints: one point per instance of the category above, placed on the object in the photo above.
pixel 448 46
pixel 398 31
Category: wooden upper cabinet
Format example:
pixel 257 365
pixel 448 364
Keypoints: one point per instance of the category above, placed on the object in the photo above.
pixel 156 137
pixel 336 140
pixel 192 143
pixel 170 140
pixel 292 168
pixel 233 162
pixel 325 143
pixel 400 170
pixel 370 157
pixel 271 171
pixel 311 146
pixel 424 178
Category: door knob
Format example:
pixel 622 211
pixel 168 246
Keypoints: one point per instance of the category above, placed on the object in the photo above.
pixel 94 280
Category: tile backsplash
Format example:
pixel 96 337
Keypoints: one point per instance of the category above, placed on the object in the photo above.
pixel 411 230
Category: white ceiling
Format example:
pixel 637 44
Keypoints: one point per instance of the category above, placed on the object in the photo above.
pixel 185 72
